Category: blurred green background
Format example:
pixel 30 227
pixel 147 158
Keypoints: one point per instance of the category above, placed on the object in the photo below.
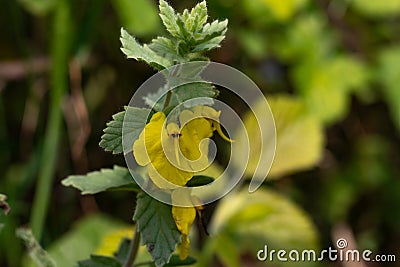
pixel 331 69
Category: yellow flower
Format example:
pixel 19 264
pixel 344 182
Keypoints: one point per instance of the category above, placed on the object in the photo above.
pixel 172 153
pixel 184 218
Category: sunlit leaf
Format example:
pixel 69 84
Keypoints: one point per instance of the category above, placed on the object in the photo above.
pixel 81 241
pixel 326 95
pixel 118 178
pixel 157 227
pixel 278 10
pixel 129 123
pixel 377 8
pixel 299 141
pixel 263 218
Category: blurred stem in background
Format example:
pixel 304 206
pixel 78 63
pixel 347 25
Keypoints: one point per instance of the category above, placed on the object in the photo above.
pixel 60 44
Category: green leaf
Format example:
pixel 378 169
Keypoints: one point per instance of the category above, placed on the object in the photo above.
pixel 132 49
pixel 227 250
pixel 105 179
pixel 280 11
pixel 190 28
pixel 4 209
pixel 299 138
pixel 37 254
pixel 199 180
pixel 123 250
pixel 166 48
pixel 380 9
pixel 211 36
pixel 176 261
pixel 197 17
pixel 252 220
pixel 169 18
pixel 129 123
pixel 100 261
pixel 326 96
pixel 183 93
pixel 82 240
pixel 157 227
pixel 133 13
pixel 389 74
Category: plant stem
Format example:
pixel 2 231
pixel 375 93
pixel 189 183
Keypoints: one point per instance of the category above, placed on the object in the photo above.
pixel 167 100
pixel 59 81
pixel 133 248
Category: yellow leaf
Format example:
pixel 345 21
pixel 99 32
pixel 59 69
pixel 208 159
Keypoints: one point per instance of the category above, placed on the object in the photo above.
pixel 110 242
pixel 299 141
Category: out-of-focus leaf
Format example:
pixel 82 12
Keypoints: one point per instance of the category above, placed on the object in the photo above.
pixel 100 261
pixel 4 209
pixel 308 39
pixel 116 243
pixel 36 252
pixel 326 86
pixel 299 138
pixel 105 179
pixel 279 10
pixel 139 17
pixel 82 240
pixel 129 123
pixel 158 229
pixel 253 43
pixel 110 242
pixel 263 218
pixel 389 75
pixel 38 7
pixel 377 8
pixel 227 250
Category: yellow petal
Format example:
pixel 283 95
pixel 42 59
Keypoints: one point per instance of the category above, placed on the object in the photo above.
pixel 183 248
pixel 221 133
pixel 149 141
pixel 161 171
pixel 184 218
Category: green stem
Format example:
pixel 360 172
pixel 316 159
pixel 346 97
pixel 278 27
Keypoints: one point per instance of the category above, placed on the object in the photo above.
pixel 134 248
pixel 167 99
pixel 59 81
